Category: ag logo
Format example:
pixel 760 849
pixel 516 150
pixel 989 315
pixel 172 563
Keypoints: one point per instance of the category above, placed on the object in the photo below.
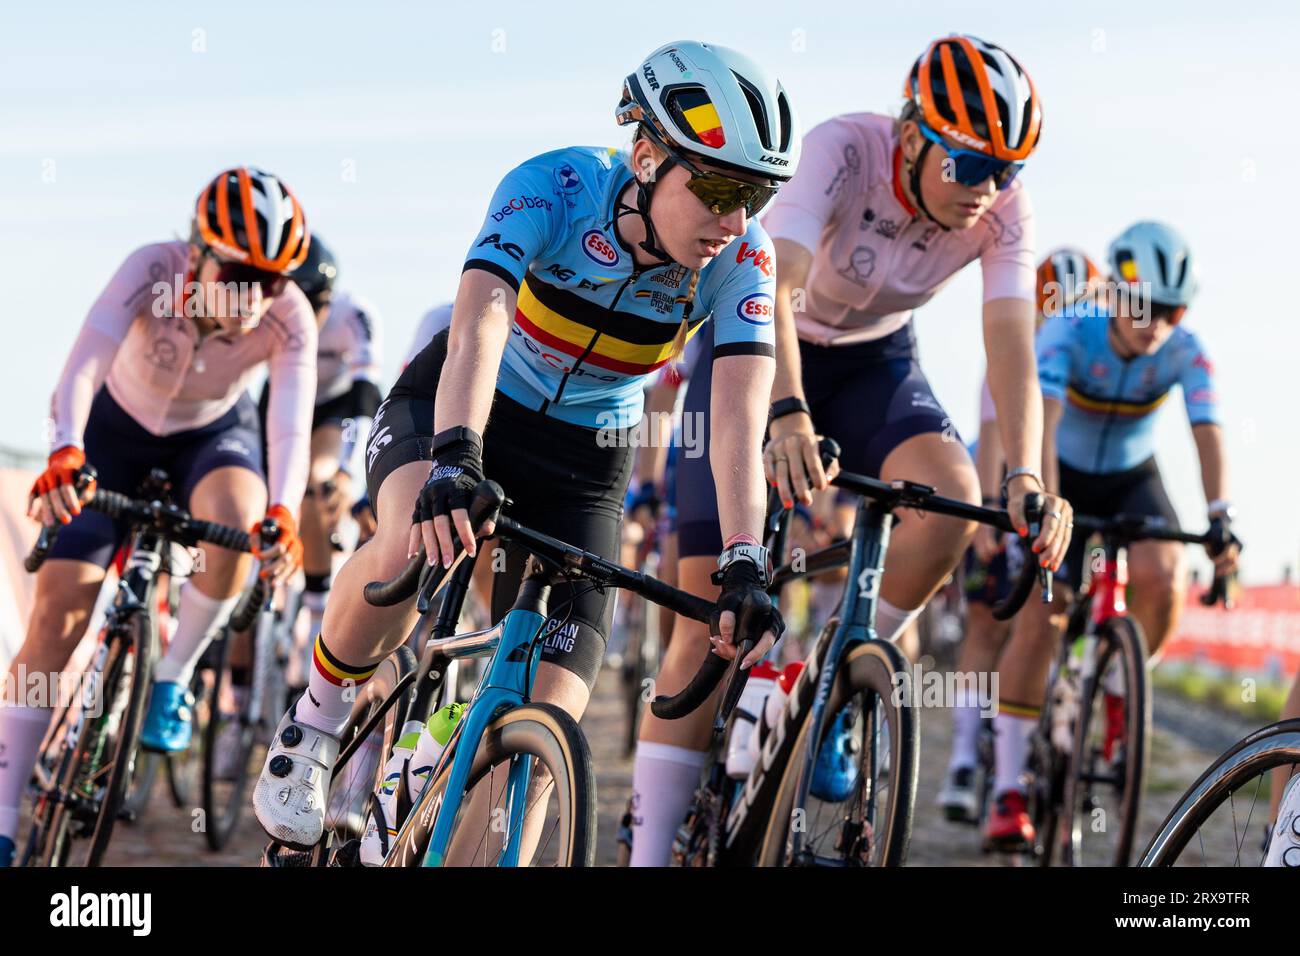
pixel 598 248
pixel 756 308
pixel 509 248
pixel 566 178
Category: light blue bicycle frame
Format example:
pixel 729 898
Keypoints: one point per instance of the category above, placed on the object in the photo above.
pixel 506 685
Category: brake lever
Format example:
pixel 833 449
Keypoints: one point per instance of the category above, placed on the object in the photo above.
pixel 1034 507
pixel 736 681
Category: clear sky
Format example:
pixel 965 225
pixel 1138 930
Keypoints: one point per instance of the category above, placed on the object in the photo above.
pixel 393 121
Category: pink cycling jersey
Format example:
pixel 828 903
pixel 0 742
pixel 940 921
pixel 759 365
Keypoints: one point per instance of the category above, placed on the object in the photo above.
pixel 169 381
pixel 875 258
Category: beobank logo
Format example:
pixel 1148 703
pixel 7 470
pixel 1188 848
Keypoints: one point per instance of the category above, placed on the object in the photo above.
pixel 756 309
pixel 520 203
pixel 598 248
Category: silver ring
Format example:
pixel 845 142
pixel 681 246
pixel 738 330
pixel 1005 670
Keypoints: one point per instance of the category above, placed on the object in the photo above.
pixel 1054 514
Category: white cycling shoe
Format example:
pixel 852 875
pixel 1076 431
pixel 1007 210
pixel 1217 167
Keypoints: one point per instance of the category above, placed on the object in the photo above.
pixel 289 799
pixel 1284 847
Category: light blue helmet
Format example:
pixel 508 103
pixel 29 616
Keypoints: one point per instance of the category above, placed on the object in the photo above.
pixel 712 102
pixel 1156 256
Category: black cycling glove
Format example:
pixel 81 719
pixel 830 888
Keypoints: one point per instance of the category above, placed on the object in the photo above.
pixel 457 469
pixel 744 594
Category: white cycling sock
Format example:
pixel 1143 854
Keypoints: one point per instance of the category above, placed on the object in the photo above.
pixel 965 729
pixel 198 617
pixel 300 666
pixel 664 778
pixel 21 730
pixel 332 688
pixel 1010 748
pixel 891 621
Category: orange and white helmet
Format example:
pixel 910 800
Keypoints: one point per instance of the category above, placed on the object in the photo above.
pixel 978 95
pixel 1064 277
pixel 247 215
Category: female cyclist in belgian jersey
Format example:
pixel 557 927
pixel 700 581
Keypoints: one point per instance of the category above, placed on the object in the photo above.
pixel 1106 367
pixel 591 270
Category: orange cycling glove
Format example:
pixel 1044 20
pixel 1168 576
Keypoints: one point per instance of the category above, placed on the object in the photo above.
pixel 289 539
pixel 61 469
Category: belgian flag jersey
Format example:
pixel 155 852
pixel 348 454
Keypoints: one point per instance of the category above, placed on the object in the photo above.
pixel 1108 420
pixel 590 324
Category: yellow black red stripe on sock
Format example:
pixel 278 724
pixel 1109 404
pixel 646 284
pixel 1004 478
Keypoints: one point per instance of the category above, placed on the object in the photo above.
pixel 337 672
pixel 1013 709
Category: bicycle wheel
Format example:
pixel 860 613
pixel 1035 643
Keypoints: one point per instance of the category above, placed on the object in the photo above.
pixel 142 781
pixel 97 773
pixel 1209 812
pixel 354 782
pixel 185 769
pixel 1106 774
pixel 560 822
pixel 229 738
pixel 872 824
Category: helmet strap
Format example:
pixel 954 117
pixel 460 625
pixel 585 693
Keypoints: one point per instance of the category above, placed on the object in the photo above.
pixel 644 194
pixel 914 184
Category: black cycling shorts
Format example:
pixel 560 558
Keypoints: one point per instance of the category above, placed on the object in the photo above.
pixel 561 482
pixel 1137 491
pixel 869 397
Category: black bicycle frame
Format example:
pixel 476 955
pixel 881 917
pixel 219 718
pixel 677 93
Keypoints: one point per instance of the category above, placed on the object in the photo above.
pixel 865 553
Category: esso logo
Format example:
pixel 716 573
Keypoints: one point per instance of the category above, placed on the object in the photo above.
pixel 756 309
pixel 598 248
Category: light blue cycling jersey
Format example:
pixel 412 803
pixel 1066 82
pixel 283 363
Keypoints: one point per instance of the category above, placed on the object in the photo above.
pixel 1108 424
pixel 590 323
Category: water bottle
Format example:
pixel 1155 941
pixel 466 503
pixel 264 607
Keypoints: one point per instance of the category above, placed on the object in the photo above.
pixel 414 756
pixel 762 680
pixel 773 708
pixel 433 741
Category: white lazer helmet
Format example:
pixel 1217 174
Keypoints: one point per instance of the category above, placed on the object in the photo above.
pixel 1154 255
pixel 716 104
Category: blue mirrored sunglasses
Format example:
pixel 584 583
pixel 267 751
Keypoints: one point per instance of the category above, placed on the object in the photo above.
pixel 971 168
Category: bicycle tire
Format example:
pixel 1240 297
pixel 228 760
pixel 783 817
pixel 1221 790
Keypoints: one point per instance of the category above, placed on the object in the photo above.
pixel 184 770
pixel 132 642
pixel 552 736
pixel 223 799
pixel 1276 745
pixel 868 669
pixel 142 781
pixel 1123 636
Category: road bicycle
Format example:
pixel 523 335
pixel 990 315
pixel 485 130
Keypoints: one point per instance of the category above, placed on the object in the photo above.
pixel 509 758
pixel 83 776
pixel 1089 751
pixel 853 702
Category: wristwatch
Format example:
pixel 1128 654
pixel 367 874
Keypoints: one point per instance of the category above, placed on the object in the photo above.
pixel 755 553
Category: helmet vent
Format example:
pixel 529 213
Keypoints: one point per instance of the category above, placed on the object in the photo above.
pixel 756 107
pixel 787 124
